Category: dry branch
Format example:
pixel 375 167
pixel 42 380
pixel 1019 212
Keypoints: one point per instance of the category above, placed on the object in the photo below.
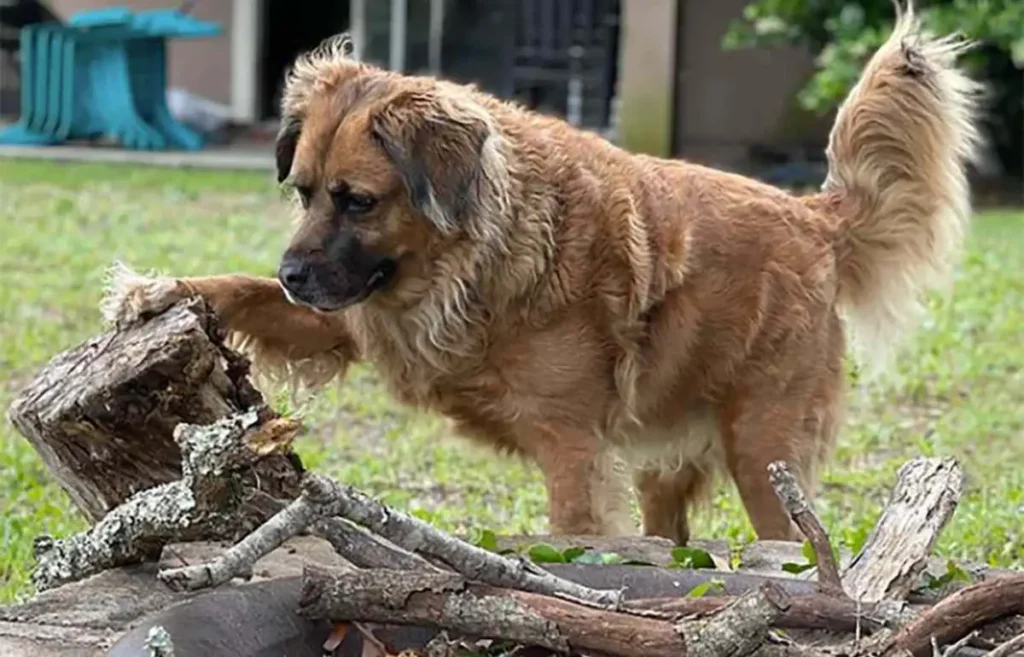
pixel 896 552
pixel 474 563
pixel 323 498
pixel 787 488
pixel 960 613
pixel 739 628
pixel 356 545
pixel 450 602
pixel 365 550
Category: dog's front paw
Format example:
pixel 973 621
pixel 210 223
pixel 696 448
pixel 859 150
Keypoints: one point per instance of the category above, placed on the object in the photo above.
pixel 128 296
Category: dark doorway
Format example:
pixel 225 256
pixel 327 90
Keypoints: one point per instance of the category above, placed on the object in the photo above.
pixel 291 27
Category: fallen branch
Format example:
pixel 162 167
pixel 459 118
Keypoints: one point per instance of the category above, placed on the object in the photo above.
pixel 208 502
pixel 238 560
pixel 739 628
pixel 450 602
pixel 954 648
pixel 960 613
pixel 799 509
pixel 365 550
pixel 323 498
pixel 897 550
pixel 349 541
pixel 353 543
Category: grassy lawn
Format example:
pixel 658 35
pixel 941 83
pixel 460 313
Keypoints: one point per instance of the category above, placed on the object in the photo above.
pixel 959 389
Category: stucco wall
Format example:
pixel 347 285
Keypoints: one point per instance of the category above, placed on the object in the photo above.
pixel 726 100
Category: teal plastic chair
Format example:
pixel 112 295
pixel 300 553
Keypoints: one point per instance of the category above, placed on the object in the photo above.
pixel 103 74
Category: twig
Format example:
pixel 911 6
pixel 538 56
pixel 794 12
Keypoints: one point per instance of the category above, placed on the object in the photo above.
pixel 474 563
pixel 960 613
pixel 356 545
pixel 920 505
pixel 239 559
pixel 1015 644
pixel 787 488
pixel 366 550
pixel 449 602
pixel 322 498
pixel 952 650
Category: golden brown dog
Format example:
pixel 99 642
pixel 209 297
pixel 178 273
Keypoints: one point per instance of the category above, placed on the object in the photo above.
pixel 560 298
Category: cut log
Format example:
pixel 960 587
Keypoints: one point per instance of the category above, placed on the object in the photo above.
pixel 102 414
pixel 897 550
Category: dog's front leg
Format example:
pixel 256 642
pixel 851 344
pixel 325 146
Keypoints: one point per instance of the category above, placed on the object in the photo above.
pixel 588 484
pixel 313 347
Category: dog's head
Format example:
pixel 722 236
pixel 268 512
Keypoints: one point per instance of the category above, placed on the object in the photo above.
pixel 388 169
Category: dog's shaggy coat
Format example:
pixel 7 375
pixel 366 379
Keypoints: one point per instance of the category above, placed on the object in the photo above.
pixel 560 298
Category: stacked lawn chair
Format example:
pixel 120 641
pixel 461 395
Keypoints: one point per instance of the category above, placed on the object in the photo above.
pixel 103 74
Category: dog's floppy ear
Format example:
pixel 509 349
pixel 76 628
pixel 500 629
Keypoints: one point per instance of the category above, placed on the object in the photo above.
pixel 284 148
pixel 438 145
pixel 329 55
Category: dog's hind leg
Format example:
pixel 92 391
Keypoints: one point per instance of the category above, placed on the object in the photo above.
pixel 796 423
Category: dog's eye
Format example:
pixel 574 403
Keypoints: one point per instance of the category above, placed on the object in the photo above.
pixel 360 203
pixel 353 203
pixel 305 194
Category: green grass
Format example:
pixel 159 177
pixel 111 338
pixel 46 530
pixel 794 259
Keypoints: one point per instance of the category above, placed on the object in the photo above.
pixel 960 389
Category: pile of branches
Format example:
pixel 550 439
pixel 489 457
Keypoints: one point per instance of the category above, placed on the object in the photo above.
pixel 406 572
pixel 101 416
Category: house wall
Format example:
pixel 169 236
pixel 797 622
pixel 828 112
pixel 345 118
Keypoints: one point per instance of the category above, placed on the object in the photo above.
pixel 729 100
pixel 683 95
pixel 203 65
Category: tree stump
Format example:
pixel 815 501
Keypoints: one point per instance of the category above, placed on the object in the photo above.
pixel 102 415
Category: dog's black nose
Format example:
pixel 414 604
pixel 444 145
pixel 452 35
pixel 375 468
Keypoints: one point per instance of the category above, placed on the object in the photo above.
pixel 293 273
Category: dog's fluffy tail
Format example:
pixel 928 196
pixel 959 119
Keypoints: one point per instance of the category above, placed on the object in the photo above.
pixel 898 157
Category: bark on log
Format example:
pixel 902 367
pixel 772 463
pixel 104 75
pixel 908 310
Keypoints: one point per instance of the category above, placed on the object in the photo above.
pixel 960 613
pixel 102 414
pixel 450 602
pixel 897 550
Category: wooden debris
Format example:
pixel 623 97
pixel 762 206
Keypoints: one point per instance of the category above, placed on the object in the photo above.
pixel 788 490
pixel 450 602
pixel 921 504
pixel 323 498
pixel 102 415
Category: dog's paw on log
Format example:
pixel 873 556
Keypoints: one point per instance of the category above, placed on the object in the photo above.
pixel 129 296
